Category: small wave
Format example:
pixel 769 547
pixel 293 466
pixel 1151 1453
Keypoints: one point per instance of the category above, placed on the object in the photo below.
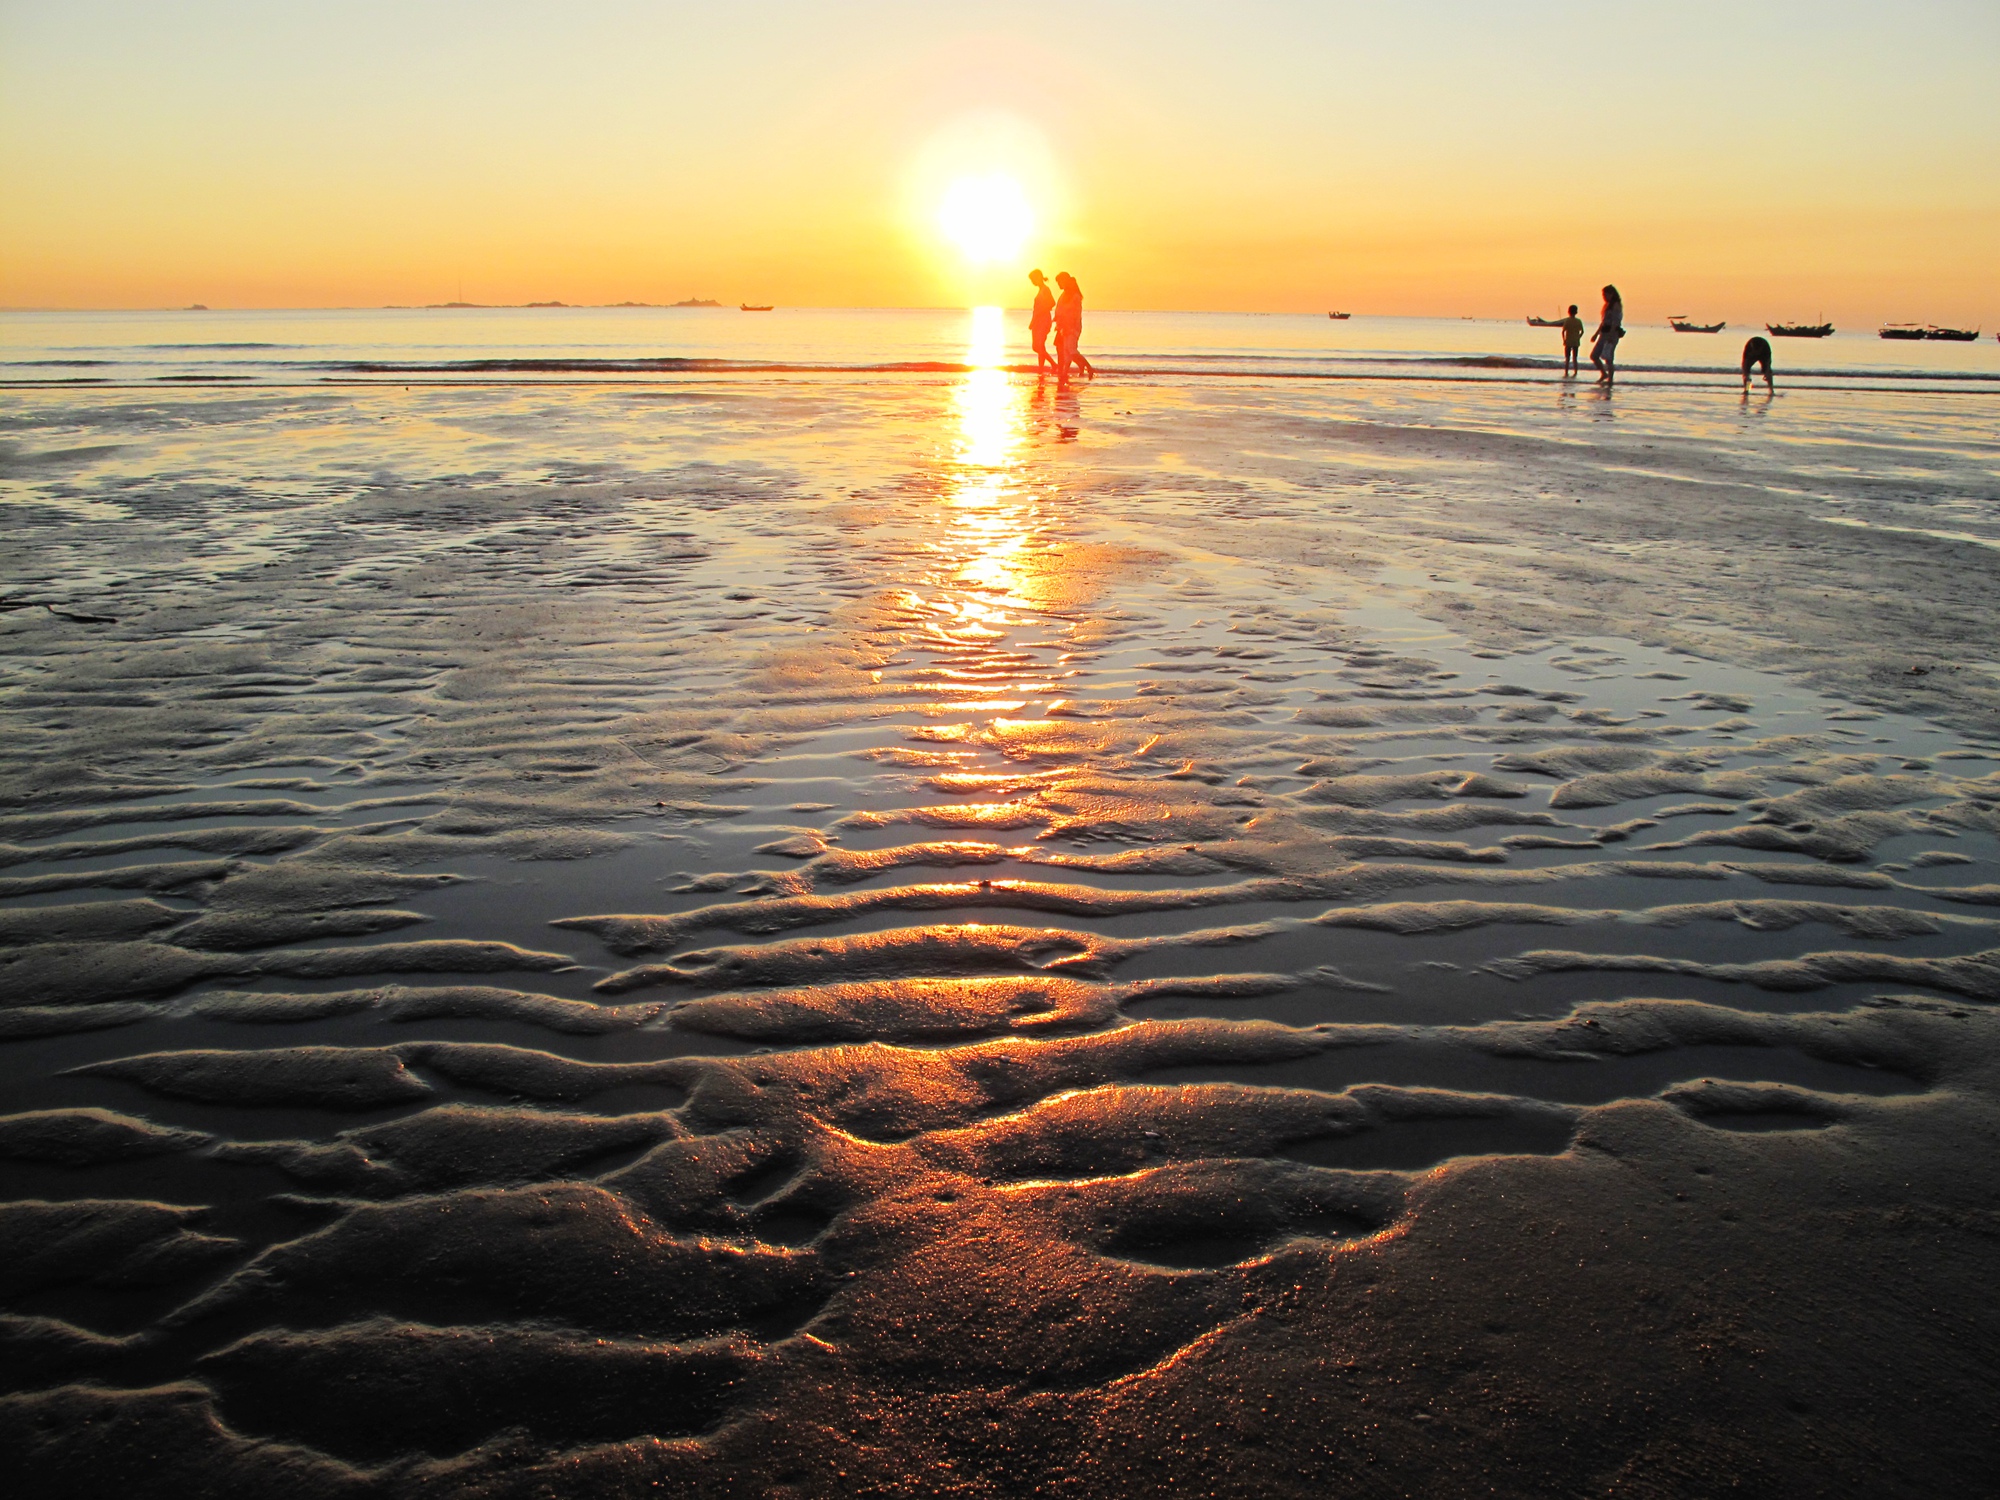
pixel 1497 362
pixel 1140 363
pixel 663 365
pixel 216 346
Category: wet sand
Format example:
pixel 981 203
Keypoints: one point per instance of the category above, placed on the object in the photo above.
pixel 918 936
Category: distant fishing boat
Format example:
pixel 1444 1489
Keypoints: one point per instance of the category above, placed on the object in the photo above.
pixel 1680 324
pixel 746 307
pixel 1952 335
pixel 1798 330
pixel 1340 317
pixel 1901 331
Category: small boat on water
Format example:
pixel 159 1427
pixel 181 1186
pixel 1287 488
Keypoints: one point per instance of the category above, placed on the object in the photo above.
pixel 1952 335
pixel 746 307
pixel 1340 317
pixel 1798 330
pixel 1900 331
pixel 1680 323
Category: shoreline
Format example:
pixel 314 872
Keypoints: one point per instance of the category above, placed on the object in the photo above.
pixel 1580 384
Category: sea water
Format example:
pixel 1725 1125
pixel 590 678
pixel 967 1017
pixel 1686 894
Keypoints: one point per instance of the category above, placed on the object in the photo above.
pixel 337 345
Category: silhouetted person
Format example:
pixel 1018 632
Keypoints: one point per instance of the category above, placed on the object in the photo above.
pixel 1572 331
pixel 1610 329
pixel 1069 329
pixel 1040 318
pixel 1757 351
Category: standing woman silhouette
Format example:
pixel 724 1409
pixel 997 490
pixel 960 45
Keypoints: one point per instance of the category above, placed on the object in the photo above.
pixel 1610 329
pixel 1069 329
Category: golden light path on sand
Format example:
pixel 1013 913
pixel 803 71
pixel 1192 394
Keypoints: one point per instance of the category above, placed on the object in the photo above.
pixel 990 518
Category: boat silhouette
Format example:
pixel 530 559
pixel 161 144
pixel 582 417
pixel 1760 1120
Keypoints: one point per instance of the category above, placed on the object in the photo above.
pixel 1340 317
pixel 1680 324
pixel 1798 330
pixel 1900 331
pixel 746 307
pixel 1952 335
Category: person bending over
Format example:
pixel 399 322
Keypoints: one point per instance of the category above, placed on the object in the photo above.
pixel 1757 351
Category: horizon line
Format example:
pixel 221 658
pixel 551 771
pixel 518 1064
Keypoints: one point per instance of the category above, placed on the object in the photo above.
pixel 558 306
pixel 631 306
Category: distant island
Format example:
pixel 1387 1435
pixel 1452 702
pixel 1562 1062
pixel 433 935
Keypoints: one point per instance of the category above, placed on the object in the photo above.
pixel 516 306
pixel 490 306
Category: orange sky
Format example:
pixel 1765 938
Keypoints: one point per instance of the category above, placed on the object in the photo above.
pixel 1439 156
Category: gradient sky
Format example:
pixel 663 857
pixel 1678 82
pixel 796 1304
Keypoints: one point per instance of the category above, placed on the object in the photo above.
pixel 1746 160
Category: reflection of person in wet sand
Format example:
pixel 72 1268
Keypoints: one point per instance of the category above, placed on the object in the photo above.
pixel 1040 318
pixel 1572 331
pixel 1069 329
pixel 1757 351
pixel 1610 329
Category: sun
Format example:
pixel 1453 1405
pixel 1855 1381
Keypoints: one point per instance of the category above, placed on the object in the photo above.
pixel 987 217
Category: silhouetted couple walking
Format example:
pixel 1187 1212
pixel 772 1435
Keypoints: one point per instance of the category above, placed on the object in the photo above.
pixel 1064 314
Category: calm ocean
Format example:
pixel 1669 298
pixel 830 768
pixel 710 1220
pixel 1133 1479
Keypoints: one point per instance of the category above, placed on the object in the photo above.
pixel 638 343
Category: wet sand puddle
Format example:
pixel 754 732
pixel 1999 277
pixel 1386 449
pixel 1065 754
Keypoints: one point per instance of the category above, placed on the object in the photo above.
pixel 894 968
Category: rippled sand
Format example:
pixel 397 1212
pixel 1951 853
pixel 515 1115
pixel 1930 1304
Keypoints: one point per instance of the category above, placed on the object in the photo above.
pixel 923 937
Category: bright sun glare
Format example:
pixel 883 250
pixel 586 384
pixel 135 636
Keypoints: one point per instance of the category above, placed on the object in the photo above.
pixel 986 217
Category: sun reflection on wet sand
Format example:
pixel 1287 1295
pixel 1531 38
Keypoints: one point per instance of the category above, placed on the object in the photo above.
pixel 991 518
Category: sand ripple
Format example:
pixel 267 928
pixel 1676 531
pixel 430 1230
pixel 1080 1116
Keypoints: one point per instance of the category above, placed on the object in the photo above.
pixel 1198 1076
